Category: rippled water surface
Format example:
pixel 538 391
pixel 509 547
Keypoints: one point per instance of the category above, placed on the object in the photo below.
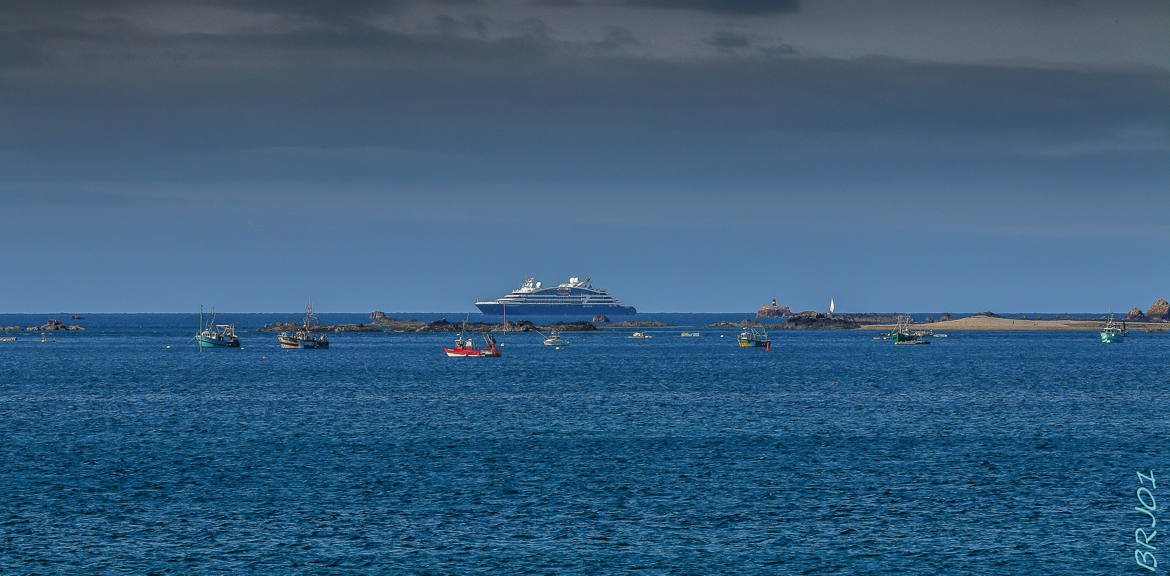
pixel 983 453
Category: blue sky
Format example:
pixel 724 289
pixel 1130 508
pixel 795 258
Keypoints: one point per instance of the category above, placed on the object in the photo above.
pixel 688 155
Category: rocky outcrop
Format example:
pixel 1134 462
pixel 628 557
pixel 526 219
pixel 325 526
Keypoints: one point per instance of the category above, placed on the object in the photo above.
pixel 53 325
pixel 601 318
pixel 388 324
pixel 817 321
pixel 11 328
pixel 639 324
pixel 988 314
pixel 773 311
pixel 1160 310
pixel 377 315
pixel 745 323
pixel 1135 315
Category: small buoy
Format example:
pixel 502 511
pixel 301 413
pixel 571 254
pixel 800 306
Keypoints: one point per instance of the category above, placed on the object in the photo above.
pixel 768 347
pixel 168 346
pixel 558 347
pixel 263 357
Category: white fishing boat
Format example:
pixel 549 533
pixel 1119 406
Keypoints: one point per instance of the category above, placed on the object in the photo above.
pixel 554 339
pixel 640 335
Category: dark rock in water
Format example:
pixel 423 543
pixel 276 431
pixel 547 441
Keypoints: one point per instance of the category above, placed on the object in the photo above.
pixel 1135 314
pixel 53 324
pixel 745 323
pixel 571 327
pixel 1159 310
pixel 987 314
pixel 773 311
pixel 388 324
pixel 818 321
pixel 377 314
pixel 639 324
pixel 10 328
pixel 945 317
pixel 601 318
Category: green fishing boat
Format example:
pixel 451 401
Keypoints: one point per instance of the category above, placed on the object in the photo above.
pixel 754 337
pixel 216 335
pixel 903 334
pixel 1112 333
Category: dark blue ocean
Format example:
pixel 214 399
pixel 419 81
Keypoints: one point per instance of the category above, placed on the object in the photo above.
pixel 983 453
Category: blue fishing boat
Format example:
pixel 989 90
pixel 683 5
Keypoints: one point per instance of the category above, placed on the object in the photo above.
pixel 216 335
pixel 1113 333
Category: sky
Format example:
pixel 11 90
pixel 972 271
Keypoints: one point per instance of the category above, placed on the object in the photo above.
pixel 688 155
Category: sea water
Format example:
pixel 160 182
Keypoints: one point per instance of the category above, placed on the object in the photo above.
pixel 984 453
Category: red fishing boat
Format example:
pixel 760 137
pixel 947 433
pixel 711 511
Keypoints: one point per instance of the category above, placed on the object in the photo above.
pixel 465 347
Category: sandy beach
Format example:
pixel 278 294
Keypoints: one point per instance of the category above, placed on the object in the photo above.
pixel 993 323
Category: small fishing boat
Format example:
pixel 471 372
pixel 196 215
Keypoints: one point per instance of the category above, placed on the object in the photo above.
pixel 904 335
pixel 7 338
pixel 690 334
pixel 216 335
pixel 640 335
pixel 554 339
pixel 754 337
pixel 1112 333
pixel 465 347
pixel 44 339
pixel 304 338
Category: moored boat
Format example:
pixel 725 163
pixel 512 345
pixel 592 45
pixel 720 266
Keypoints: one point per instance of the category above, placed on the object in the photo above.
pixel 554 339
pixel 216 335
pixel 754 337
pixel 1113 333
pixel 304 338
pixel 465 347
pixel 904 335
pixel 640 335
pixel 690 334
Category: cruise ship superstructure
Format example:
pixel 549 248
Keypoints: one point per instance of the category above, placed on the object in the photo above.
pixel 573 298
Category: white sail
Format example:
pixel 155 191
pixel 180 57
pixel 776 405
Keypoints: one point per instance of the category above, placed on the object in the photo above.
pixel 831 306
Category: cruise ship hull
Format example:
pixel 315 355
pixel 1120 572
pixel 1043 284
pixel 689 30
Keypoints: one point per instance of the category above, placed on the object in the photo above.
pixel 521 309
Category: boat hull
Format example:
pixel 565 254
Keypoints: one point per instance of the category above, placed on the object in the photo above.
pixel 290 343
pixel 205 342
pixel 521 309
pixel 470 353
pixel 1112 337
pixel 753 343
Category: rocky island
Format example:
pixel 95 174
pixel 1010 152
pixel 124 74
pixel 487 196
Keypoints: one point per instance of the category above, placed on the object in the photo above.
pixel 811 320
pixel 49 326
pixel 638 324
pixel 773 311
pixel 383 323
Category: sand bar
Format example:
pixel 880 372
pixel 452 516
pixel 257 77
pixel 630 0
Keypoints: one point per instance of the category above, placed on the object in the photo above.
pixel 993 323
